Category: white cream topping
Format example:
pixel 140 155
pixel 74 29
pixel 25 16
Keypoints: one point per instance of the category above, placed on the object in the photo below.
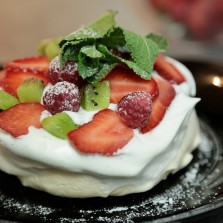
pixel 138 166
pixel 60 154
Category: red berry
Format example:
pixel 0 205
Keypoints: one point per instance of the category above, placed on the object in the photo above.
pixel 63 96
pixel 135 108
pixel 67 73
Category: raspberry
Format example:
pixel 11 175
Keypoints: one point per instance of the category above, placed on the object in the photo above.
pixel 63 96
pixel 67 73
pixel 135 108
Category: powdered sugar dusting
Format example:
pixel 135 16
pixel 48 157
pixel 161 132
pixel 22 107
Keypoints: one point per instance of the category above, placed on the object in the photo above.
pixel 12 205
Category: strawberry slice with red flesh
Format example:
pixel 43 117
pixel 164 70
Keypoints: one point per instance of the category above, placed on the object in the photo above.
pixel 37 65
pixel 123 80
pixel 105 134
pixel 2 74
pixel 160 104
pixel 17 119
pixel 13 80
pixel 168 71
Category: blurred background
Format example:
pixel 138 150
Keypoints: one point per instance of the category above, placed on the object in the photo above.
pixel 193 27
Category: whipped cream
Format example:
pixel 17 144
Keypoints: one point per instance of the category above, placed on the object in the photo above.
pixel 45 162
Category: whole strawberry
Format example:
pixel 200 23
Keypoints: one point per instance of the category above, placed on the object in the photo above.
pixel 135 108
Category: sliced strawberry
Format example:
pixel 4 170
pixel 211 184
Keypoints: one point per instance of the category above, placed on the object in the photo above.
pixel 105 134
pixel 17 119
pixel 2 74
pixel 123 80
pixel 12 80
pixel 160 104
pixel 168 71
pixel 33 64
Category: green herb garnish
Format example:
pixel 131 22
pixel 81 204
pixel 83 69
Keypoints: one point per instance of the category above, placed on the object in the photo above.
pixel 91 47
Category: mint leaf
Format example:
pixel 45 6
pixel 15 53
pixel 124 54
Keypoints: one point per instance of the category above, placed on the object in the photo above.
pixel 91 51
pixel 103 70
pixel 109 57
pixel 115 39
pixel 69 52
pixel 160 41
pixel 92 69
pixel 138 70
pixel 87 66
pixel 95 30
pixel 93 64
pixel 143 50
pixel 132 65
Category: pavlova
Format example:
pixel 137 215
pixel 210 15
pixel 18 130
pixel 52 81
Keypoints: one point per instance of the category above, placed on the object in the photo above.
pixel 101 112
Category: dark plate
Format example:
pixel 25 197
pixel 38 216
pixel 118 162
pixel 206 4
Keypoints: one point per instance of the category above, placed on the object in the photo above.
pixel 191 195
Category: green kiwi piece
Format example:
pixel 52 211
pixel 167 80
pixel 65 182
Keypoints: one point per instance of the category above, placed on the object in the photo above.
pixel 52 49
pixel 7 100
pixel 30 90
pixel 42 46
pixel 59 125
pixel 95 96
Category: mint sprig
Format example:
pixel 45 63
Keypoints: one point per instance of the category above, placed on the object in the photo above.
pixel 93 48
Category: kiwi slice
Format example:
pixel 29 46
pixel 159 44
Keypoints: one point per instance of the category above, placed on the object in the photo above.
pixel 30 90
pixel 95 96
pixel 53 49
pixel 49 47
pixel 59 125
pixel 7 100
pixel 42 46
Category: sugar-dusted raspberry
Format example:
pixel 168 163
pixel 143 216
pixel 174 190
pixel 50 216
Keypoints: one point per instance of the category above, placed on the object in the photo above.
pixel 63 96
pixel 135 108
pixel 68 73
